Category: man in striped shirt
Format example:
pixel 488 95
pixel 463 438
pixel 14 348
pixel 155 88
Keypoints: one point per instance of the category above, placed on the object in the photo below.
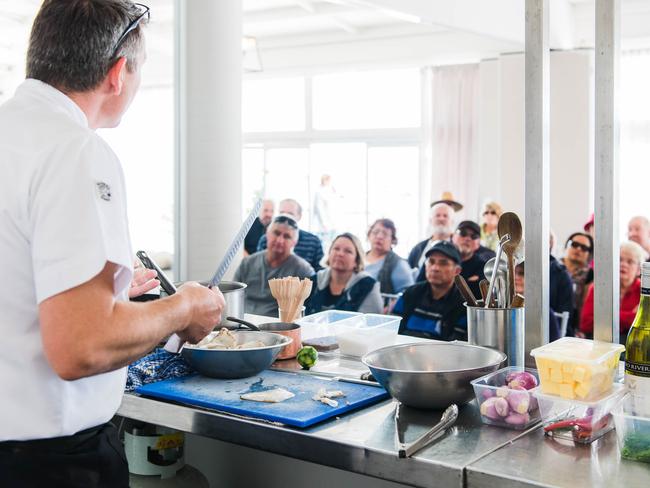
pixel 309 246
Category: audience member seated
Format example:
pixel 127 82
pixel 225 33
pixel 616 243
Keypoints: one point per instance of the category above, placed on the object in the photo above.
pixel 442 221
pixel 579 249
pixel 392 272
pixel 490 218
pixel 309 246
pixel 434 308
pixel 638 230
pixel 343 285
pixel 631 257
pixel 553 322
pixel 277 261
pixel 258 229
pixel 466 239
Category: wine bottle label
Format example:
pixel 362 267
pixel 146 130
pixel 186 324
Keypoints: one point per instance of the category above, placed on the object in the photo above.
pixel 645 291
pixel 637 369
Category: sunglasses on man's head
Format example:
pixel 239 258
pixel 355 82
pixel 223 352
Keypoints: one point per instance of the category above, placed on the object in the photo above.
pixel 283 219
pixel 577 245
pixel 467 233
pixel 133 25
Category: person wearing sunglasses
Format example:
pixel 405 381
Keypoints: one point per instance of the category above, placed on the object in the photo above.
pixel 489 220
pixel 277 260
pixel 309 246
pixel 467 241
pixel 66 256
pixel 578 252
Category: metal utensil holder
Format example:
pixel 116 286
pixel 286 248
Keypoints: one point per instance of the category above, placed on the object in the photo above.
pixel 498 328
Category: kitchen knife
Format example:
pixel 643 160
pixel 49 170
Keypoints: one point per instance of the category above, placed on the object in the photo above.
pixel 174 342
pixel 149 263
pixel 236 244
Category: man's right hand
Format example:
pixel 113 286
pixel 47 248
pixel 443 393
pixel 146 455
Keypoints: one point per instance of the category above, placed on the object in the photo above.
pixel 206 306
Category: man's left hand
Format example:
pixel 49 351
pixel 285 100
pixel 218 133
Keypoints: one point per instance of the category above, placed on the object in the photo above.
pixel 143 281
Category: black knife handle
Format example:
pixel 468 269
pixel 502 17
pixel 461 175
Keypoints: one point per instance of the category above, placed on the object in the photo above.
pixel 149 263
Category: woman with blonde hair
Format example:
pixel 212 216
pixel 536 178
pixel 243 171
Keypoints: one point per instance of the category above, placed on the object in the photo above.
pixel 489 220
pixel 631 257
pixel 343 284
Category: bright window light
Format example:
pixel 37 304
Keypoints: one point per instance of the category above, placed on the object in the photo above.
pixel 276 104
pixel 394 194
pixel 367 100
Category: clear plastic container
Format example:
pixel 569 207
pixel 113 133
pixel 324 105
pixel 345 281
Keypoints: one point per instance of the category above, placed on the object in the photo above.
pixel 323 324
pixel 517 410
pixel 632 419
pixel 581 422
pixel 577 369
pixel 364 333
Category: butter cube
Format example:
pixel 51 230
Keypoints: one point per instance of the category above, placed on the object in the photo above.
pixel 544 374
pixel 566 390
pixel 551 388
pixel 567 376
pixel 582 390
pixel 568 367
pixel 556 375
pixel 581 374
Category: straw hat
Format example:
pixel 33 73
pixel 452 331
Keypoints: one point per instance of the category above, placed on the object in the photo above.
pixel 448 198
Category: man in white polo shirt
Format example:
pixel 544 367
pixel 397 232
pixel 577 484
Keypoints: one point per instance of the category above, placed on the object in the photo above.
pixel 67 327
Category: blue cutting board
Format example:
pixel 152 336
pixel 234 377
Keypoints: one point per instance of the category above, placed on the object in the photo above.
pixel 299 411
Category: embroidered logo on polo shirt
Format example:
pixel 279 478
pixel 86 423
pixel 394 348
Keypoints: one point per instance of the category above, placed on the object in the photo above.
pixel 104 191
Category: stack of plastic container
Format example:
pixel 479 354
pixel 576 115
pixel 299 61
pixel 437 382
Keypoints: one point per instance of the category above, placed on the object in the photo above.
pixel 577 392
pixel 355 333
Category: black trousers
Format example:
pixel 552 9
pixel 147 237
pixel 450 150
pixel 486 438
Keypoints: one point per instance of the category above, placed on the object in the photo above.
pixel 92 458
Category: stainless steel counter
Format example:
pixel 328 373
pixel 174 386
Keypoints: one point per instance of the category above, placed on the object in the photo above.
pixel 361 442
pixel 536 460
pixel 469 455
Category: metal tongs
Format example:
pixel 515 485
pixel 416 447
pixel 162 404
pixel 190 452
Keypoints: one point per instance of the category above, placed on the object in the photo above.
pixel 404 449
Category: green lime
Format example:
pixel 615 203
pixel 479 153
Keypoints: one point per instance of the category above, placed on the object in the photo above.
pixel 307 357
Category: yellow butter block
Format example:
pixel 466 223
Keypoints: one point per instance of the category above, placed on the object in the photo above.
pixel 554 364
pixel 567 376
pixel 544 374
pixel 551 388
pixel 556 375
pixel 566 390
pixel 568 367
pixel 581 374
pixel 582 390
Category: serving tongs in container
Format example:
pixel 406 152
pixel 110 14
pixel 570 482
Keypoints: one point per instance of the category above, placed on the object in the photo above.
pixel 405 449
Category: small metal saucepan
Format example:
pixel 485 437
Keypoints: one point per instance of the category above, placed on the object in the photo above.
pixel 283 328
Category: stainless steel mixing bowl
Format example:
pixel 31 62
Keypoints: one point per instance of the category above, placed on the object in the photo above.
pixel 236 363
pixel 432 375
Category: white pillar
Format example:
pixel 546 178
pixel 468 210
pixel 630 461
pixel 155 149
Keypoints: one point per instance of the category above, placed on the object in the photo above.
pixel 606 255
pixel 208 88
pixel 537 174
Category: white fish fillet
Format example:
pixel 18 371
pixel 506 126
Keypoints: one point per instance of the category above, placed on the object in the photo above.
pixel 325 396
pixel 276 395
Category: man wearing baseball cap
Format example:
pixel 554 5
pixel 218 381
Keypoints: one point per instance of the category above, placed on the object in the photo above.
pixel 434 308
pixel 467 239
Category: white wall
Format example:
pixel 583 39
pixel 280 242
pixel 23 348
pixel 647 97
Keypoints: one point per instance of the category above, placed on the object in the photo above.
pixel 501 158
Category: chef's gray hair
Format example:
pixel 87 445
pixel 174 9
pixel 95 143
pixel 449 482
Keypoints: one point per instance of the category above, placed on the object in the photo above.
pixel 72 43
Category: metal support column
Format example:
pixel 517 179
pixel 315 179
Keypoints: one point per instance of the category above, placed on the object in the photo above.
pixel 606 255
pixel 537 174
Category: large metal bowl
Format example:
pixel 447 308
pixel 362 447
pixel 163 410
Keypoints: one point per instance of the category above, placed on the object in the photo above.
pixel 236 363
pixel 431 375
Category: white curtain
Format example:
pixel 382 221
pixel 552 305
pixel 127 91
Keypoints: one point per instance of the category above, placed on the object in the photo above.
pixel 451 134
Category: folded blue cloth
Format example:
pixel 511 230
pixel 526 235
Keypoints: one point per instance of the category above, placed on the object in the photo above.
pixel 157 366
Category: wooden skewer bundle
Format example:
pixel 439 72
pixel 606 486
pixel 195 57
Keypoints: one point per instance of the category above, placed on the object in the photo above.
pixel 291 293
